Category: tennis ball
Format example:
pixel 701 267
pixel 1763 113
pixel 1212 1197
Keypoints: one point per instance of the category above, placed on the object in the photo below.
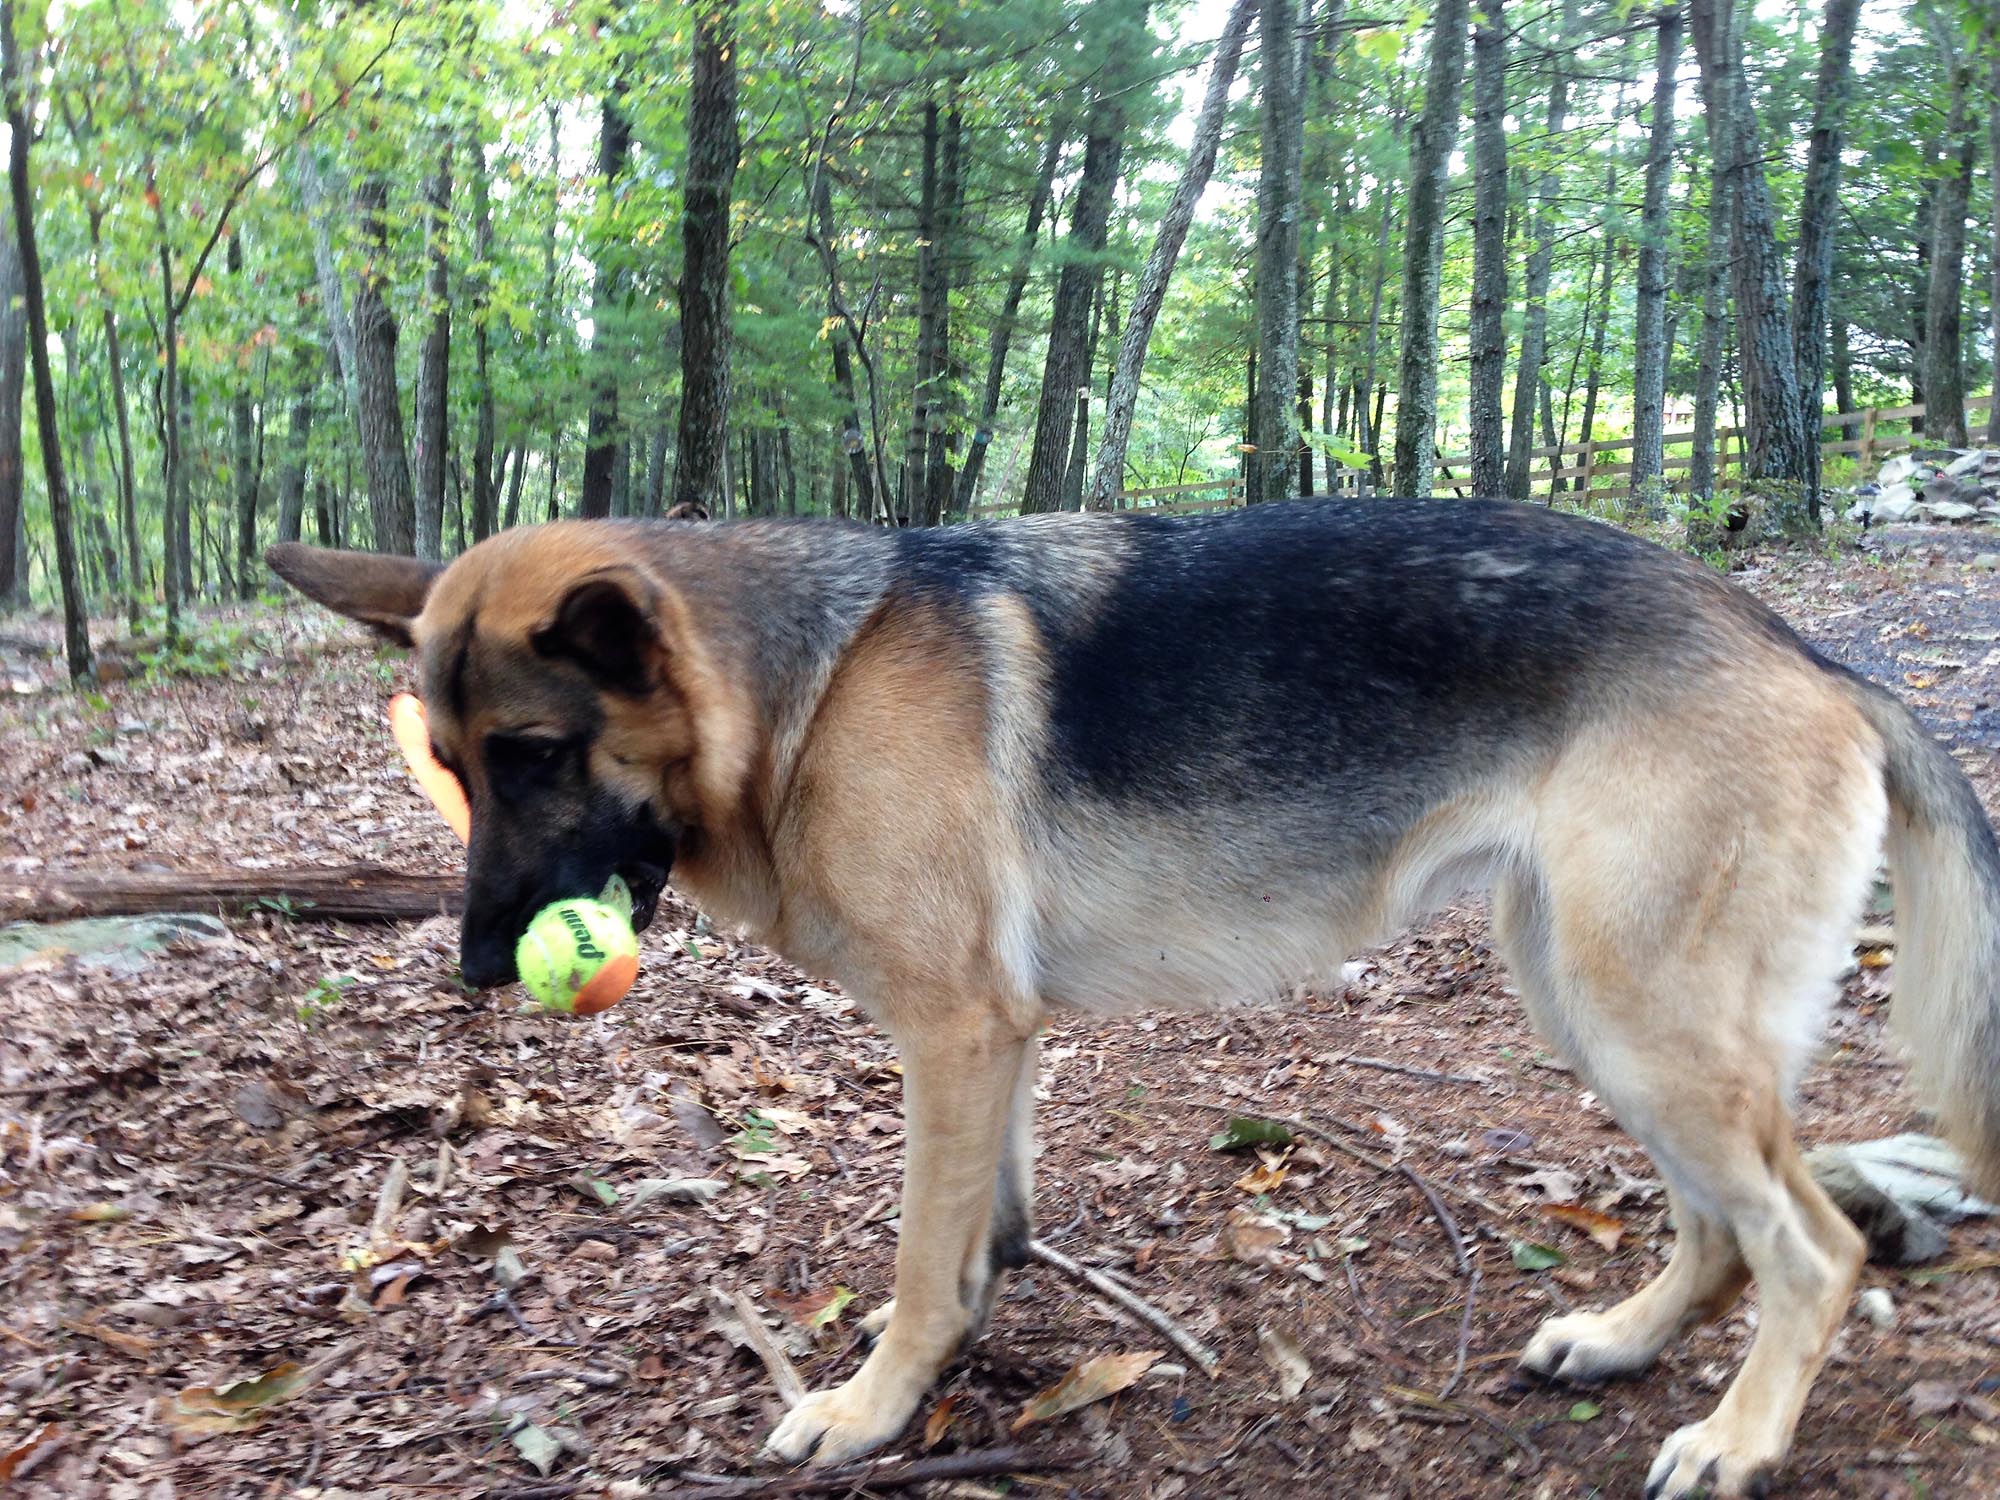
pixel 578 955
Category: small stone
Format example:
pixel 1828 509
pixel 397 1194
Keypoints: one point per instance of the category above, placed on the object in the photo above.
pixel 1951 510
pixel 1966 463
pixel 1894 471
pixel 1878 1307
pixel 1939 489
pixel 1896 503
pixel 598 1250
pixel 1987 561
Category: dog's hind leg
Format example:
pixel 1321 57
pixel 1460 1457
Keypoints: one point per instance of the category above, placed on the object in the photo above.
pixel 1677 941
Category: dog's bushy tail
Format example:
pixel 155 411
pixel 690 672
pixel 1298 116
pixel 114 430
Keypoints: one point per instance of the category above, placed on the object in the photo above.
pixel 1946 869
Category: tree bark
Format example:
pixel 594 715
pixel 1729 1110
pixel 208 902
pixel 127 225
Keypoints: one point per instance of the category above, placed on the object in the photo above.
pixel 1775 457
pixel 332 893
pixel 939 416
pixel 1819 209
pixel 1274 426
pixel 298 441
pixel 1069 314
pixel 1709 349
pixel 242 434
pixel 1535 292
pixel 1001 338
pixel 614 148
pixel 704 286
pixel 434 362
pixel 1151 292
pixel 76 635
pixel 1423 254
pixel 1944 352
pixel 1489 250
pixel 391 501
pixel 13 391
pixel 1993 171
pixel 1649 338
pixel 484 491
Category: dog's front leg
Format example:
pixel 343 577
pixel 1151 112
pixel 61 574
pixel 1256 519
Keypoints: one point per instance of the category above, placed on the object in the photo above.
pixel 958 1082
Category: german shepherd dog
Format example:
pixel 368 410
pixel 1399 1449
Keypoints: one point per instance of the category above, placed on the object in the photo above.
pixel 979 774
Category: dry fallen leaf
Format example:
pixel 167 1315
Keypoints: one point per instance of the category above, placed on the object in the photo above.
pixel 1606 1229
pixel 1255 1239
pixel 940 1421
pixel 14 1459
pixel 1282 1353
pixel 205 1409
pixel 1089 1380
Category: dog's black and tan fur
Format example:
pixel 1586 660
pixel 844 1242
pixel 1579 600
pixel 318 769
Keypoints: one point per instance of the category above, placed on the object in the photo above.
pixel 1085 762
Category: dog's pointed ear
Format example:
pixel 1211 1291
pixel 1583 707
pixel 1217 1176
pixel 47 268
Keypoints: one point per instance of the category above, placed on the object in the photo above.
pixel 384 593
pixel 608 624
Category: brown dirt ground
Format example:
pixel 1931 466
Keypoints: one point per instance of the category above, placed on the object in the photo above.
pixel 187 1155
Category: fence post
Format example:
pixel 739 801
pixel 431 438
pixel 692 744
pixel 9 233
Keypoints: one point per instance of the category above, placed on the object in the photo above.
pixel 1589 467
pixel 1868 441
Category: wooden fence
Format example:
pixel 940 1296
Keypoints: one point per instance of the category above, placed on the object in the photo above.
pixel 1594 467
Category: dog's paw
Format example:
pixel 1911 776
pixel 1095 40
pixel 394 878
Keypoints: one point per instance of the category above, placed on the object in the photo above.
pixel 1707 1459
pixel 1585 1348
pixel 829 1426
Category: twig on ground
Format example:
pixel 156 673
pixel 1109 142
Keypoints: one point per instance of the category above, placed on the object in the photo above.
pixel 856 1478
pixel 311 1471
pixel 600 1380
pixel 1466 1268
pixel 1141 1309
pixel 258 1174
pixel 784 1376
pixel 1383 1065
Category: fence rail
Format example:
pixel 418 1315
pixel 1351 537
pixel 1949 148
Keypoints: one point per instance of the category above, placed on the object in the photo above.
pixel 1578 467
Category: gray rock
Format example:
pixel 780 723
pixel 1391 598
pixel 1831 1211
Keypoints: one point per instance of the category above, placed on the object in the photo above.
pixel 1951 510
pixel 1939 488
pixel 122 945
pixel 1966 463
pixel 1889 506
pixel 1987 561
pixel 1895 470
pixel 1899 1192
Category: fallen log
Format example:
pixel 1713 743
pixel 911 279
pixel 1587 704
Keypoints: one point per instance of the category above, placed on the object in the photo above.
pixel 323 893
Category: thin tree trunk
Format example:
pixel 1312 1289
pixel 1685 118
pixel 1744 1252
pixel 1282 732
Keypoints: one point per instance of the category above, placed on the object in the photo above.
pixel 1489 250
pixel 391 501
pixel 916 441
pixel 13 391
pixel 614 147
pixel 1274 425
pixel 484 492
pixel 1649 338
pixel 298 440
pixel 842 347
pixel 1423 254
pixel 1151 291
pixel 945 256
pixel 1819 209
pixel 1709 356
pixel 1775 457
pixel 332 292
pixel 1069 314
pixel 1993 171
pixel 1371 389
pixel 704 283
pixel 1079 448
pixel 76 635
pixel 1535 317
pixel 242 472
pixel 1944 353
pixel 434 363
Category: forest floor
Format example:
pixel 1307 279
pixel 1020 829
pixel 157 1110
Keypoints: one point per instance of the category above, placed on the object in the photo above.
pixel 193 1151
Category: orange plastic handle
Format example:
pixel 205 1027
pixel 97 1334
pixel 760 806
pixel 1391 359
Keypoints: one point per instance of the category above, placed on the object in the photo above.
pixel 412 732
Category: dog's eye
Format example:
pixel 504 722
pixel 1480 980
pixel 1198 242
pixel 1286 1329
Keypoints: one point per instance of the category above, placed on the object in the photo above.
pixel 520 763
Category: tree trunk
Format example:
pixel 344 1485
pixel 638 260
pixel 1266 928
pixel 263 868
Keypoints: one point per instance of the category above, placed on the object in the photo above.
pixel 939 414
pixel 1535 313
pixel 704 285
pixel 1079 448
pixel 76 636
pixel 484 492
pixel 1819 210
pixel 916 439
pixel 1423 254
pixel 330 893
pixel 1944 352
pixel 298 441
pixel 1709 349
pixel 391 502
pixel 1775 457
pixel 999 340
pixel 1650 347
pixel 614 147
pixel 434 363
pixel 1993 171
pixel 1069 314
pixel 13 390
pixel 1274 425
pixel 242 471
pixel 1153 283
pixel 853 441
pixel 1371 389
pixel 1489 250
